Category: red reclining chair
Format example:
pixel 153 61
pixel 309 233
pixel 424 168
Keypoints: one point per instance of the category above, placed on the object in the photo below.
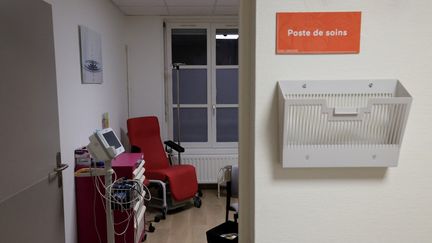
pixel 180 181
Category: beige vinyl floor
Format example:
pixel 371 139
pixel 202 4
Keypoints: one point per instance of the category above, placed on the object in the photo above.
pixel 190 225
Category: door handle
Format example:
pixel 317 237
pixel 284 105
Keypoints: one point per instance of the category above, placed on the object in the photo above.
pixel 57 172
pixel 61 168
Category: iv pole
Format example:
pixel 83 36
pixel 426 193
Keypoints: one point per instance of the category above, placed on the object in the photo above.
pixel 108 211
pixel 176 66
pixel 99 152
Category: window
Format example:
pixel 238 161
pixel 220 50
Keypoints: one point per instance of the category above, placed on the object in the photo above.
pixel 207 88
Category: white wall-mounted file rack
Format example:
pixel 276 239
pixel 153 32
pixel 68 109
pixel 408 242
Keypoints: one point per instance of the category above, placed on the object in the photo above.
pixel 342 123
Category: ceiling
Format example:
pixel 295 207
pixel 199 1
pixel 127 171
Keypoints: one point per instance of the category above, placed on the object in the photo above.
pixel 179 7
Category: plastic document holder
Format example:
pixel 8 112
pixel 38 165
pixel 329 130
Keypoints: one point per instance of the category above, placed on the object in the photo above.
pixel 342 123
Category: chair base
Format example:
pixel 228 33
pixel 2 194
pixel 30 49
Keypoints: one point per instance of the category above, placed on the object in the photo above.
pixel 167 203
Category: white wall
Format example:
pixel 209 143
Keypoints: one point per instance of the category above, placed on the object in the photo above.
pixel 347 205
pixel 81 106
pixel 146 68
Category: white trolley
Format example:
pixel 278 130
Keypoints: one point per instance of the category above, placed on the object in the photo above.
pixel 342 123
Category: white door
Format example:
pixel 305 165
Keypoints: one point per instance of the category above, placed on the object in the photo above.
pixel 31 206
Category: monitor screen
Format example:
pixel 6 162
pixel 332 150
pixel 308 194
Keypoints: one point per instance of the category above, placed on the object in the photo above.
pixel 111 139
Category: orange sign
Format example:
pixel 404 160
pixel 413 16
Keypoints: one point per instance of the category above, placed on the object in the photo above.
pixel 318 32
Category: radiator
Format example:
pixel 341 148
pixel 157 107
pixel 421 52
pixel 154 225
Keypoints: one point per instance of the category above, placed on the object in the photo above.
pixel 208 166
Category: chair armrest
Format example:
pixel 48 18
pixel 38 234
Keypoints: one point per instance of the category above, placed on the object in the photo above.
pixel 174 146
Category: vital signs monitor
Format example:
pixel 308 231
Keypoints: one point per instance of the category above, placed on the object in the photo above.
pixel 105 145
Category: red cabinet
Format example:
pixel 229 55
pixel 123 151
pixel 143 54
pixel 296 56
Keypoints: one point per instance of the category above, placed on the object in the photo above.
pixel 90 207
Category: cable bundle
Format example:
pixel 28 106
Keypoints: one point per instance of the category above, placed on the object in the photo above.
pixel 123 195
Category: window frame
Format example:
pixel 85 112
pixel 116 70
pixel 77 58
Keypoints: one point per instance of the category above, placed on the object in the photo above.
pixel 214 67
pixel 211 67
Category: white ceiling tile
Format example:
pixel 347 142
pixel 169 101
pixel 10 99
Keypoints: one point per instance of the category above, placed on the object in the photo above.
pixel 226 10
pixel 228 3
pixel 151 3
pixel 190 2
pixel 179 7
pixel 129 10
pixel 189 10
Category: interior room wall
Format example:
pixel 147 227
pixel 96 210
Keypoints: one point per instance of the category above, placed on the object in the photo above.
pixel 146 67
pixel 81 105
pixel 347 204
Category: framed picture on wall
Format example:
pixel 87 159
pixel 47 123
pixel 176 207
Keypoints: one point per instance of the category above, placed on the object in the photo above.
pixel 91 56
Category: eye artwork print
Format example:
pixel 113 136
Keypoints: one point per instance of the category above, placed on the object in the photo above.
pixel 91 56
pixel 92 66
